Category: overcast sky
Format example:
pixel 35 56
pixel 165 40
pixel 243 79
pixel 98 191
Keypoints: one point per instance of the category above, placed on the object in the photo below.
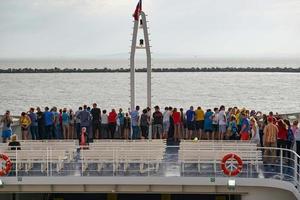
pixel 204 28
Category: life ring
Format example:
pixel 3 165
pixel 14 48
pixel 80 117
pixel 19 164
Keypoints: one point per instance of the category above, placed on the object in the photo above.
pixel 238 167
pixel 4 171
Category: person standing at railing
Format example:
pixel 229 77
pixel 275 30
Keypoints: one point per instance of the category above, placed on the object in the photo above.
pixel 6 121
pixel 120 123
pixel 144 124
pixel 282 135
pixel 65 124
pixel 135 117
pixel 290 139
pixel 71 124
pixel 85 119
pixel 48 117
pixel 208 124
pixel 77 122
pixel 104 125
pixel 182 124
pixel 41 123
pixel 96 121
pixel 112 123
pixel 34 124
pixel 262 122
pixel 215 124
pixel 127 126
pixel 245 127
pixel 296 132
pixel 199 122
pixel 254 131
pixel 190 121
pixel 158 123
pixel 233 129
pixel 176 119
pixel 56 124
pixel 270 140
pixel 166 122
pixel 25 123
pixel 222 122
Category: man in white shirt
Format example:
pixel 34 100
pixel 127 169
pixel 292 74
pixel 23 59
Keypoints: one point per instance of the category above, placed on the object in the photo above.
pixel 222 122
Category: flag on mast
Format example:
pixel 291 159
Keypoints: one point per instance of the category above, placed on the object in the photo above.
pixel 137 11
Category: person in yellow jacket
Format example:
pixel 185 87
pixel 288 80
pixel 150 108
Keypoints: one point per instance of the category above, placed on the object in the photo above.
pixel 24 123
pixel 199 118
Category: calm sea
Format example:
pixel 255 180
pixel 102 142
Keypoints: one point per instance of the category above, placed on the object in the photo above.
pixel 278 92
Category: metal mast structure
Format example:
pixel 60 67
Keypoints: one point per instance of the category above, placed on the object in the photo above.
pixel 140 22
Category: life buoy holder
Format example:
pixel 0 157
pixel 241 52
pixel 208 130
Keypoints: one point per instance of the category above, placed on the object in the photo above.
pixel 4 171
pixel 233 168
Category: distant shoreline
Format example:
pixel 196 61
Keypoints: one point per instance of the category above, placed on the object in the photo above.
pixel 126 70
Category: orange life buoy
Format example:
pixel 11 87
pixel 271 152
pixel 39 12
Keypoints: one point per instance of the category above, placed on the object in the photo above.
pixel 237 169
pixel 4 171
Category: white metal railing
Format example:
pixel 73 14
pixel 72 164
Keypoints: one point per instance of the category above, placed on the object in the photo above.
pixel 282 164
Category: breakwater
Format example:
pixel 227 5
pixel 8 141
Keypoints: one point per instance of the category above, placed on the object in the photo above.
pixel 123 70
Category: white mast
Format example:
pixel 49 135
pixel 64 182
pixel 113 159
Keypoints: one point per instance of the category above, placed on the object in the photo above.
pixel 146 46
pixel 132 59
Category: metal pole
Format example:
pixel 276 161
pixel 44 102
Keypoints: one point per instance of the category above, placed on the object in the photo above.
pixel 295 167
pixel 148 53
pixel 281 163
pixel 132 68
pixel 149 70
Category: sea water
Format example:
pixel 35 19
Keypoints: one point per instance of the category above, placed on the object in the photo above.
pixel 278 92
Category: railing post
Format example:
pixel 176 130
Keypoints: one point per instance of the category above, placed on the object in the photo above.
pixel 295 168
pixel 148 161
pixel 16 162
pixel 215 165
pixel 281 167
pixel 47 161
pixel 82 161
pixel 50 161
pixel 114 161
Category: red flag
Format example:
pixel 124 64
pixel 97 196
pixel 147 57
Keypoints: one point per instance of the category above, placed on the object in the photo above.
pixel 137 11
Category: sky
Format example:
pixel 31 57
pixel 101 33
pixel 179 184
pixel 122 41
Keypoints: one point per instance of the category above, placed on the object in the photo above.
pixel 196 28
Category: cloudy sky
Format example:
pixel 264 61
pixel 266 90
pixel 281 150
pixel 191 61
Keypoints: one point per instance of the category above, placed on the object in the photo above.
pixel 204 28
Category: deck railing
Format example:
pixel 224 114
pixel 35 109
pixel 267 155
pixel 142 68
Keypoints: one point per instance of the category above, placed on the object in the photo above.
pixel 282 164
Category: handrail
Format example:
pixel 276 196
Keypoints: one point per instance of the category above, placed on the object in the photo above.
pixel 123 163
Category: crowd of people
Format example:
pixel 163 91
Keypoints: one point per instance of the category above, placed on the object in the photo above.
pixel 266 130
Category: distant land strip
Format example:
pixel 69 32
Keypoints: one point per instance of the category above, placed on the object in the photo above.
pixel 123 70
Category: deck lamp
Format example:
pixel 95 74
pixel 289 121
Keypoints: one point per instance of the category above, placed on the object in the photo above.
pixel 231 184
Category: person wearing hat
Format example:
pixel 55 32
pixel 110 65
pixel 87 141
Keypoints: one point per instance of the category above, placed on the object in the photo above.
pixel 270 140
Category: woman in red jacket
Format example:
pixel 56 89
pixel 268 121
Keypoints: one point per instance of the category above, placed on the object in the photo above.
pixel 176 119
pixel 282 135
pixel 112 123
